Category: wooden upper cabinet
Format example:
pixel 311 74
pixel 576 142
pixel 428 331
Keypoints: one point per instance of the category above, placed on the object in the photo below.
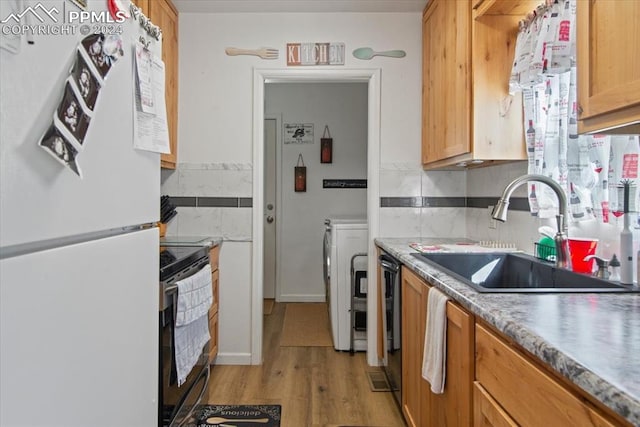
pixel 608 65
pixel 468 116
pixel 143 5
pixel 446 84
pixel 164 14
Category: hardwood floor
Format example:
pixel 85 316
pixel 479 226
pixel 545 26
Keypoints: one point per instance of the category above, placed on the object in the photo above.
pixel 316 386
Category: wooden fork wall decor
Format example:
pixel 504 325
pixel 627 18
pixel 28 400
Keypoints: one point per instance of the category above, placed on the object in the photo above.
pixel 263 52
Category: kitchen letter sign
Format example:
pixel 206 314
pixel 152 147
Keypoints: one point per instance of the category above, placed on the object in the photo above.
pixel 315 54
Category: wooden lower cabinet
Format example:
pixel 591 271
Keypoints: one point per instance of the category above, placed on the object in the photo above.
pixel 490 381
pixel 213 311
pixel 420 406
pixel 512 389
pixel 414 315
pixel 487 412
pixel 453 407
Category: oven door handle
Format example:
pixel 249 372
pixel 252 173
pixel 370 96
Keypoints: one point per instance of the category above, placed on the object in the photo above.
pixel 168 290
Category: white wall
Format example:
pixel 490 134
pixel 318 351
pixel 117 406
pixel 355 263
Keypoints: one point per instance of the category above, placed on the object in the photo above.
pixel 215 91
pixel 343 107
pixel 216 112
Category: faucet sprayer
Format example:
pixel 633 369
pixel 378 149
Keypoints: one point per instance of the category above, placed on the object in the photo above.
pixel 563 258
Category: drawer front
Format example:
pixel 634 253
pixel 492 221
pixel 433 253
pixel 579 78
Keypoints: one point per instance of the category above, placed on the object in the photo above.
pixel 528 394
pixel 487 412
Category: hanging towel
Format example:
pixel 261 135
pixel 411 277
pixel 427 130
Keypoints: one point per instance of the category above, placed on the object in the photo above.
pixel 192 322
pixel 434 356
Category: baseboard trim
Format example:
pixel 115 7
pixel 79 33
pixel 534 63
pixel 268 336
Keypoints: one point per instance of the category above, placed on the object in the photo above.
pixel 233 359
pixel 302 298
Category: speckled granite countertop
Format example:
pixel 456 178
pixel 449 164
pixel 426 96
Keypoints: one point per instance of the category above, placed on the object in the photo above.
pixel 593 340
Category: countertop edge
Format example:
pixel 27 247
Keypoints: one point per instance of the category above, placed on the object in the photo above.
pixel 611 396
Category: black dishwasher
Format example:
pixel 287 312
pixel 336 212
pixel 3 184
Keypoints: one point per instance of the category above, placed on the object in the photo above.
pixel 390 269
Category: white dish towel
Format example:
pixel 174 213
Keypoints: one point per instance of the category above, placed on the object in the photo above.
pixel 434 356
pixel 192 322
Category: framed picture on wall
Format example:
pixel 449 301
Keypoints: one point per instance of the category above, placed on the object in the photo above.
pixel 298 133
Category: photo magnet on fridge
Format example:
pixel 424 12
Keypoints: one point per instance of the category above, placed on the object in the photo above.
pixel 72 115
pixel 88 84
pixel 103 51
pixel 61 149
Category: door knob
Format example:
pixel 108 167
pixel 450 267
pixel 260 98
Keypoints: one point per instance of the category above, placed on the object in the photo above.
pixel 269 219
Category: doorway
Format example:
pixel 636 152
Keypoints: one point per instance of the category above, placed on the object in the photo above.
pixel 262 77
pixel 297 220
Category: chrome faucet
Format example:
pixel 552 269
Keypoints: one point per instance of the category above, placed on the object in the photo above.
pixel 563 258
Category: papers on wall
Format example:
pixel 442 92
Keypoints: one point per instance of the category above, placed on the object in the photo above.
pixel 150 130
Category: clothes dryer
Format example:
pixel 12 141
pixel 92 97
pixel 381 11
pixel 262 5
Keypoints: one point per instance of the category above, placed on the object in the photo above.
pixel 344 237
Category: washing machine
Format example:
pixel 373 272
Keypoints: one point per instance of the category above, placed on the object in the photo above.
pixel 344 238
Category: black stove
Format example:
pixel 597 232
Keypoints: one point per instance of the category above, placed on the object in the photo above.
pixel 176 258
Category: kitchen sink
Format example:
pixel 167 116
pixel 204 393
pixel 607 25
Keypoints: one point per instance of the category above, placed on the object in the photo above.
pixel 516 272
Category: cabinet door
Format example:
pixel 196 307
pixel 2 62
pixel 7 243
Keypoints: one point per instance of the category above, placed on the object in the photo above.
pixel 164 14
pixel 453 407
pixel 414 316
pixel 487 412
pixel 528 394
pixel 143 5
pixel 608 64
pixel 446 80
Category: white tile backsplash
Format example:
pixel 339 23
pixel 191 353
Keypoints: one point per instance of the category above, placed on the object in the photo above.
pixel 197 222
pixel 199 182
pixel 521 229
pixel 443 222
pixel 236 223
pixel 210 180
pixel 236 183
pixel 444 183
pixel 400 183
pixel 491 181
pixel 399 222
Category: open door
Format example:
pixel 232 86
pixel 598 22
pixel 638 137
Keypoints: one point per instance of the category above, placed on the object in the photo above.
pixel 269 222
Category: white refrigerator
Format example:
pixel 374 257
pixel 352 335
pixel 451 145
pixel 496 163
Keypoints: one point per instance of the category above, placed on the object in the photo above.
pixel 78 272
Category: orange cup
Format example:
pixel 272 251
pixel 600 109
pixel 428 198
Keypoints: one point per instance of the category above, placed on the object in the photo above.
pixel 579 249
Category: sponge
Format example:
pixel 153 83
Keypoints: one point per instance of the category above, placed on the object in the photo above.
pixel 547 248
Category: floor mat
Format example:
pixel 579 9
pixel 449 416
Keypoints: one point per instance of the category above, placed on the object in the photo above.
pixel 306 325
pixel 244 415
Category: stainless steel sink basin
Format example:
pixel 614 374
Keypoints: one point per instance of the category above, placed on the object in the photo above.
pixel 511 272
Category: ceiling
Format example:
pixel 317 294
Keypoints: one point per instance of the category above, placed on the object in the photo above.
pixel 298 6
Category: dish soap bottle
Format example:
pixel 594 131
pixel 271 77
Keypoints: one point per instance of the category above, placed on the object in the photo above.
pixel 615 269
